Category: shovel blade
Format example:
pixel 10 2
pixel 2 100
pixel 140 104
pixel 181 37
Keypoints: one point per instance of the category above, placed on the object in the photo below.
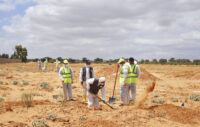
pixel 111 100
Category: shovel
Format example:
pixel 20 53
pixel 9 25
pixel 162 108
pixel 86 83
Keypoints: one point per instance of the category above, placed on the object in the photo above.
pixel 100 99
pixel 112 99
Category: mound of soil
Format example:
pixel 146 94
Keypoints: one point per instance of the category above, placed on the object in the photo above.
pixel 98 123
pixel 188 74
pixel 5 60
pixel 178 114
pixel 145 75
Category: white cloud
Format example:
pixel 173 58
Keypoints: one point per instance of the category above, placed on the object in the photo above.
pixel 108 29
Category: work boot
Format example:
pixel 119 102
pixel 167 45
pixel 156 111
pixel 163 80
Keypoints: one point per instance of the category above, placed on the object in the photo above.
pixel 96 109
pixel 84 97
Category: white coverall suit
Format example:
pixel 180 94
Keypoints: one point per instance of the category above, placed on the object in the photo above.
pixel 132 86
pixel 67 88
pixel 124 89
pixel 92 100
pixel 84 91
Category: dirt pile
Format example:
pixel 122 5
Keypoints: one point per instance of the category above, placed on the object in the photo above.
pixel 177 113
pixel 144 96
pixel 145 75
pixel 5 60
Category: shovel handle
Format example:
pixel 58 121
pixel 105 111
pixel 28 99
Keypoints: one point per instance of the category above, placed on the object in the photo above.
pixel 101 100
pixel 98 98
pixel 115 81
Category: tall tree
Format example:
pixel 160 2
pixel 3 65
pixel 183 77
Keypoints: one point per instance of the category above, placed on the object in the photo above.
pixel 20 53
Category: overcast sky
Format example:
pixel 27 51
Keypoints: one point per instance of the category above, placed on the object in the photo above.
pixel 144 29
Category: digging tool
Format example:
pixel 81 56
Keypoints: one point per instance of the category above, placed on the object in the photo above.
pixel 100 99
pixel 112 99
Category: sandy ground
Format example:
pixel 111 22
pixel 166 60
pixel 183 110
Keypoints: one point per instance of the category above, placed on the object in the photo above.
pixel 178 82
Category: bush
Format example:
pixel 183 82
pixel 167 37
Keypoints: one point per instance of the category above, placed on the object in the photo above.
pixel 155 95
pixel 37 94
pixel 195 97
pixel 1 100
pixel 1 82
pixel 15 82
pixel 158 100
pixel 40 123
pixel 52 116
pixel 152 115
pixel 2 74
pixel 44 85
pixel 175 99
pixel 25 82
pixel 27 99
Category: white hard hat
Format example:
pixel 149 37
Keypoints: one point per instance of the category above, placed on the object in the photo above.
pixel 102 79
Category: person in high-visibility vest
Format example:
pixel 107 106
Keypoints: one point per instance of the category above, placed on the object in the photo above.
pixel 124 81
pixel 57 65
pixel 133 75
pixel 39 64
pixel 66 75
pixel 45 64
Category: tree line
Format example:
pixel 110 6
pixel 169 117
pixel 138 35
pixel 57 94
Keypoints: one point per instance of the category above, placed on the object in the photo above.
pixel 22 53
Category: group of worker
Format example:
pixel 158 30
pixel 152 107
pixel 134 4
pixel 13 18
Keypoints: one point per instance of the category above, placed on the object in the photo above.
pixel 40 65
pixel 129 74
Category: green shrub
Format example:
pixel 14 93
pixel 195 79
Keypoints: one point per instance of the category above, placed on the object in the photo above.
pixel 73 87
pixel 152 115
pixel 37 94
pixel 27 99
pixel 40 123
pixel 2 74
pixel 82 118
pixel 162 114
pixel 175 99
pixel 52 116
pixel 155 95
pixel 1 100
pixel 158 100
pixel 195 97
pixel 15 82
pixel 25 82
pixel 1 82
pixel 44 85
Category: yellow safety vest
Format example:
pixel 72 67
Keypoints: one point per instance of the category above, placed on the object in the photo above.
pixel 57 63
pixel 133 77
pixel 122 75
pixel 66 74
pixel 45 63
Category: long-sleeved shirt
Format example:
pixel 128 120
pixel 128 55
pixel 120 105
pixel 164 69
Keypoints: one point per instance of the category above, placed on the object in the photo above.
pixel 60 72
pixel 87 73
pixel 91 81
pixel 125 71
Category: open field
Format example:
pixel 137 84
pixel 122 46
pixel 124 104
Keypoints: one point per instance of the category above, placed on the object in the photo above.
pixel 162 107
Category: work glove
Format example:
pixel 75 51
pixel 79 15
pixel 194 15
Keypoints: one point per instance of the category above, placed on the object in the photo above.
pixel 104 101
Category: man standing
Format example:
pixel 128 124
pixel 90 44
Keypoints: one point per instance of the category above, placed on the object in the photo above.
pixel 86 72
pixel 45 64
pixel 93 87
pixel 66 75
pixel 134 74
pixel 57 65
pixel 39 64
pixel 124 81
